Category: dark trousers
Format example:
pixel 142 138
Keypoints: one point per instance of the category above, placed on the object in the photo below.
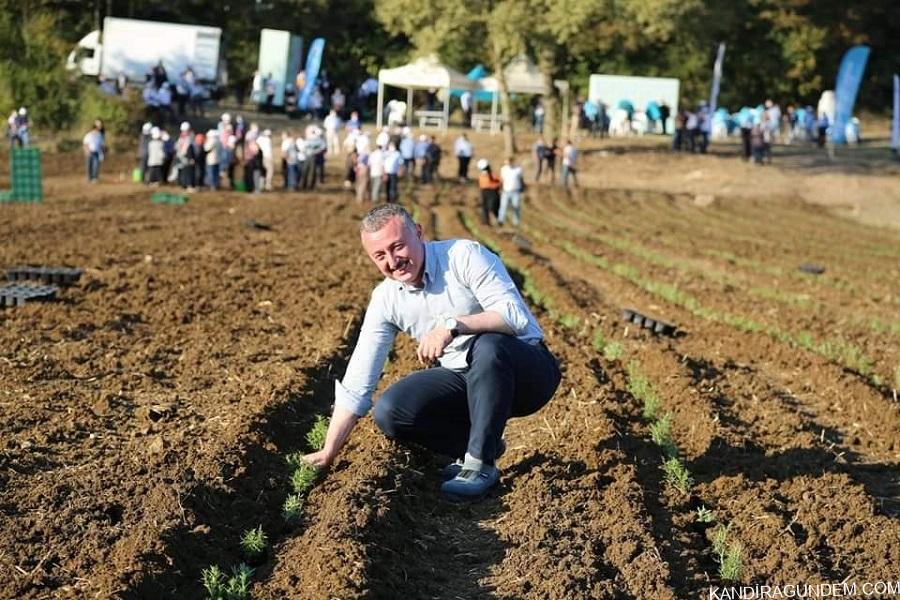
pixel 745 141
pixel 308 174
pixel 393 194
pixel 93 166
pixel 464 166
pixel 452 412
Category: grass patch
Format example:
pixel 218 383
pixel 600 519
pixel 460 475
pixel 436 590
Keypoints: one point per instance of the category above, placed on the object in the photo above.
pixel 315 437
pixel 569 321
pixel 613 351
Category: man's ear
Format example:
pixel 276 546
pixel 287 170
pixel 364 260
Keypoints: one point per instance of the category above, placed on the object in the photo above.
pixel 418 231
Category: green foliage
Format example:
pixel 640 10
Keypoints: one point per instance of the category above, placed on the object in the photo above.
pixel 292 508
pixel 315 437
pixel 677 475
pixel 728 554
pixel 303 478
pixel 214 582
pixel 254 543
pixel 32 69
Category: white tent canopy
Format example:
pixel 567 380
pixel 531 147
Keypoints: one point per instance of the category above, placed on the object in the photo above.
pixel 523 77
pixel 422 74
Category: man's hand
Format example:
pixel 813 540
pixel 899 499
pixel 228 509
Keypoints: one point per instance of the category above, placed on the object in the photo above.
pixel 432 345
pixel 320 460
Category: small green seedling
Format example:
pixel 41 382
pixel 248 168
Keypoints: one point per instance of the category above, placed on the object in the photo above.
pixel 294 460
pixel 239 583
pixel 677 476
pixel 315 437
pixel 214 582
pixel 598 341
pixel 612 351
pixel 292 508
pixel 303 478
pixel 705 515
pixel 661 434
pixel 731 563
pixel 569 321
pixel 720 540
pixel 254 543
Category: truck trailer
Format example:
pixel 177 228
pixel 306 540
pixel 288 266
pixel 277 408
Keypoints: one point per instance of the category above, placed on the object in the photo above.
pixel 134 47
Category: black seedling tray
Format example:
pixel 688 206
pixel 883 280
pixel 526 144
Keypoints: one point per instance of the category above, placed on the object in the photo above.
pixel 811 269
pixel 16 294
pixel 654 325
pixel 57 275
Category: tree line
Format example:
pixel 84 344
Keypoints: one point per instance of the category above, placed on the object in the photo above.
pixel 788 50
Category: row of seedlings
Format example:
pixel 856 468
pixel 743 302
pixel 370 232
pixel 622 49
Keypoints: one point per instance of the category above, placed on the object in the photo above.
pixel 255 544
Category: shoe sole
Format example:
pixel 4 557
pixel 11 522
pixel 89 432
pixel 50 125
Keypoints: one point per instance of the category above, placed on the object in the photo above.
pixel 460 499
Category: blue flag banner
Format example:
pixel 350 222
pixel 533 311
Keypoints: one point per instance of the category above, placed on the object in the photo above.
pixel 895 126
pixel 717 78
pixel 849 77
pixel 313 62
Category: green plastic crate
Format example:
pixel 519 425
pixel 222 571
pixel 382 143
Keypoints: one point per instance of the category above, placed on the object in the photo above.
pixel 27 184
pixel 168 198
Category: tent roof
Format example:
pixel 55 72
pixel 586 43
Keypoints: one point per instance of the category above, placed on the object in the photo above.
pixel 425 73
pixel 522 77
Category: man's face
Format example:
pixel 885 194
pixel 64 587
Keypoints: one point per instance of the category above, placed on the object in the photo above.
pixel 397 250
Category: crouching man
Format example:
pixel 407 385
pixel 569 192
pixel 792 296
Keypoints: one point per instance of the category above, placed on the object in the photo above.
pixel 484 352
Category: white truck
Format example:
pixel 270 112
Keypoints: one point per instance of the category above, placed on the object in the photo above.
pixel 134 47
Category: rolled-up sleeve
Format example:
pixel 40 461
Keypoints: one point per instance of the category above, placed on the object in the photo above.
pixel 484 273
pixel 354 392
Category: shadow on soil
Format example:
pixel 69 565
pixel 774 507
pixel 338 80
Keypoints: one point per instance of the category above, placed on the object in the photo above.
pixel 250 492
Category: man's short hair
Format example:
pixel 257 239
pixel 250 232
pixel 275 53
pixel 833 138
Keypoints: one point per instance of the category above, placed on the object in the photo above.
pixel 378 217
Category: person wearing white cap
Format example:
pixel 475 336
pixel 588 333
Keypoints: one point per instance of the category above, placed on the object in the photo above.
pixel 156 156
pixel 264 141
pixel 213 147
pixel 185 157
pixel 463 150
pixel 143 144
pixel 22 124
pixel 383 137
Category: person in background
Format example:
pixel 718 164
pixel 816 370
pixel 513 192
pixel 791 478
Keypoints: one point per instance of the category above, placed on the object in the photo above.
pixel 289 160
pixel 664 113
pixel 538 154
pixel 420 152
pixel 489 186
pixel 463 151
pixel 511 196
pixel 332 125
pixel 465 103
pixel 264 141
pixel 392 163
pixel 93 150
pixel 214 154
pixel 156 157
pixel 550 154
pixel 22 125
pixel 362 179
pixel 143 144
pixel 184 157
pixel 433 159
pixel 407 148
pixel 354 124
pixel 376 173
pixel 199 160
pixel 569 164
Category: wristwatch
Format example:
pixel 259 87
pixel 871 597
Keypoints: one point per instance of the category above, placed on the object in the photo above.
pixel 452 325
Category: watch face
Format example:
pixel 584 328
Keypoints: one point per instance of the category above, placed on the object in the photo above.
pixel 450 323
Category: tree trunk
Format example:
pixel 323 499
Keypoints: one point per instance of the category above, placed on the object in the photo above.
pixel 552 105
pixel 509 138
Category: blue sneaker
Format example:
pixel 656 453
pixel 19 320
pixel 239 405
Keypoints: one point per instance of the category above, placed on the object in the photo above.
pixel 453 469
pixel 471 484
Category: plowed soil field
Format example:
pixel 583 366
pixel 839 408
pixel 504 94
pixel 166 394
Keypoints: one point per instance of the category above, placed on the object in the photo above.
pixel 148 410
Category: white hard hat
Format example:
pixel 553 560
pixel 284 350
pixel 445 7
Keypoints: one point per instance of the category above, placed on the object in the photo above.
pixel 154 133
pixel 226 117
pixel 267 132
pixel 482 164
pixel 212 133
pixel 23 111
pixel 145 129
pixel 185 126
